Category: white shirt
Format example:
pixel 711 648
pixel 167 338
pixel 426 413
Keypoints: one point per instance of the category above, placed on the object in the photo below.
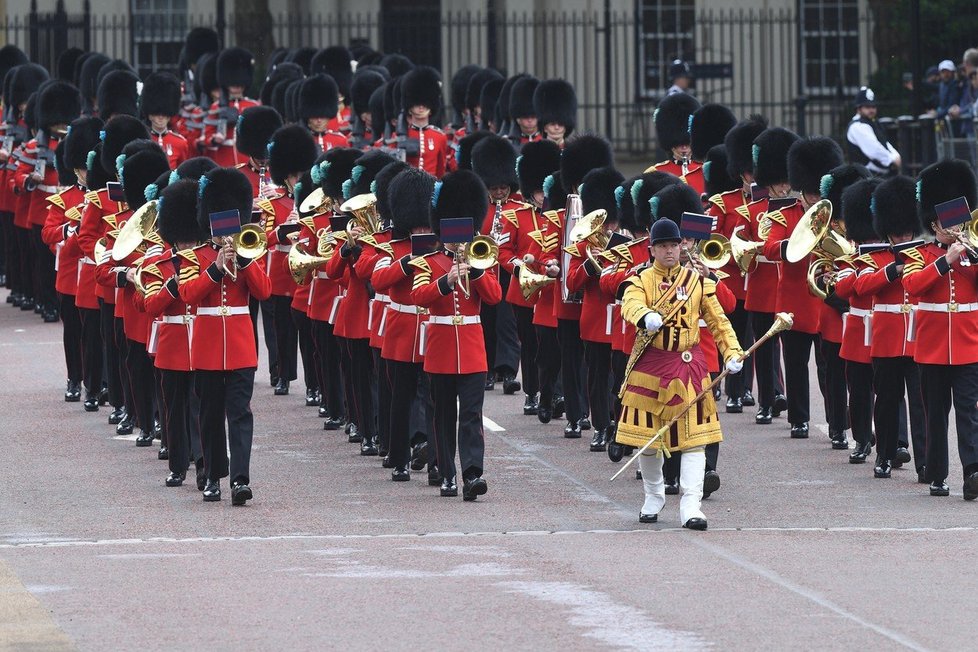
pixel 862 136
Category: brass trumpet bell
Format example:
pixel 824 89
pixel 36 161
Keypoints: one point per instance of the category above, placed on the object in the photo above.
pixel 251 242
pixel 714 252
pixel 821 277
pixel 482 252
pixel 316 203
pixel 363 208
pixel 531 282
pixel 137 228
pixel 810 231
pixel 743 251
pixel 302 264
pixel 590 228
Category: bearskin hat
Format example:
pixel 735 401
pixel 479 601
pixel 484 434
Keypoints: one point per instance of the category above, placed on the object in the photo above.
pixel 282 73
pixel 369 58
pixel 943 181
pixel 460 85
pixel 378 116
pixel 392 100
pixel 205 80
pixel 770 155
pixel 494 160
pixel 97 176
pixel 674 200
pixel 66 176
pixel 894 208
pixel 463 156
pixel 536 161
pixel 111 67
pixel 380 70
pixel 363 87
pixel 160 95
pixel 503 115
pixel 421 86
pixel 739 143
pixel 554 195
pixel 280 97
pixel 835 181
pixel 459 194
pixel 88 75
pixel 474 89
pixel 302 57
pixel 364 170
pixel 489 100
pixel 138 171
pixel 12 56
pixel 118 94
pixel 671 120
pixel 25 81
pixel 644 188
pixel 581 155
pixel 153 190
pixel 65 66
pixel 598 191
pixel 626 207
pixel 119 132
pixel 715 172
pixel 521 97
pixel 291 114
pixel 856 208
pixel 199 41
pixel 397 64
pixel 30 111
pixel 223 189
pixel 380 186
pixel 337 62
pixel 83 135
pixel 193 168
pixel 235 67
pixel 302 189
pixel 554 101
pixel 318 98
pixel 809 159
pixel 256 124
pixel 409 196
pixel 58 104
pixel 291 149
pixel 176 216
pixel 708 126
pixel 336 168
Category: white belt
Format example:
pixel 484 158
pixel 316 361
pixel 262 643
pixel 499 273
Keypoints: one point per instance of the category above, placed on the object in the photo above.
pixel 948 307
pixel 87 260
pixel 410 310
pixel 457 320
pixel 764 259
pixel 222 311
pixel 860 312
pixel 383 298
pixel 177 319
pixel 322 276
pixel 901 307
pixel 283 248
pixel 48 189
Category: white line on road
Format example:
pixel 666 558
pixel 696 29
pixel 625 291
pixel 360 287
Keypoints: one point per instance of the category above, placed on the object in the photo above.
pixel 492 425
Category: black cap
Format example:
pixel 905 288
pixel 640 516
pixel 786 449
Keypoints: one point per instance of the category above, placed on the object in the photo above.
pixel 664 230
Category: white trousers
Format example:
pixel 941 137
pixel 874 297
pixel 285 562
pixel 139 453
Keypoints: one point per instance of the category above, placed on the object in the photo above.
pixel 691 471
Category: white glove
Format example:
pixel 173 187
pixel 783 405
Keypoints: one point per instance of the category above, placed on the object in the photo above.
pixel 652 322
pixel 734 366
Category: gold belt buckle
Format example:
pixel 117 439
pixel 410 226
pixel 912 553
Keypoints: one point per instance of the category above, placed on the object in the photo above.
pixel 952 307
pixel 905 308
pixel 224 311
pixel 687 356
pixel 457 320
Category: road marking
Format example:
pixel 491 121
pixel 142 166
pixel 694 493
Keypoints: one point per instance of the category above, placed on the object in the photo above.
pixel 492 425
pixel 27 625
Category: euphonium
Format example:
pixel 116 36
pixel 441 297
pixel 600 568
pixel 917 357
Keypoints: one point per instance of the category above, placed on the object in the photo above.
pixel 301 264
pixel 363 208
pixel 589 228
pixel 715 251
pixel 822 275
pixel 135 231
pixel 325 243
pixel 481 253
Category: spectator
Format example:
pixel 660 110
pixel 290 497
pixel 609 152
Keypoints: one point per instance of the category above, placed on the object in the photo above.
pixel 680 75
pixel 949 92
pixel 866 139
pixel 969 104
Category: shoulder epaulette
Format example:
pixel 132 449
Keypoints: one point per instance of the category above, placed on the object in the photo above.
pixel 110 219
pixel 73 214
pixel 547 242
pixel 423 275
pixel 308 222
pixel 553 217
pixel 624 252
pixel 717 200
pixel 777 216
pixel 510 215
pixel 867 260
pixel 192 270
pixel 419 262
pixel 265 206
pixel 743 211
pixel 93 198
pixel 56 199
pixel 382 247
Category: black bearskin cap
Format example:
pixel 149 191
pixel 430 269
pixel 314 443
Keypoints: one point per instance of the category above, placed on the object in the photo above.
pixel 715 172
pixel 337 62
pixel 555 197
pixel 291 114
pixel 809 159
pixel 494 160
pixel 421 86
pixel 626 207
pixel 176 216
pixel 459 194
pixel 138 171
pixel 205 78
pixel 65 66
pixel 856 202
pixel 256 124
pixel 111 67
pixel 318 98
pixel 337 167
pixel 12 56
pixel 836 180
pixel 671 120
pixel 739 144
pixel 302 57
pixel 160 95
pixel 199 41
pixel 503 113
pixel 536 161
pixel 581 155
pixel 674 200
pixel 83 135
pixel 193 168
pixel 291 149
pixel 88 74
pixel 25 81
pixel 894 208
pixel 58 104
pixel 460 85
pixel 364 85
pixel 474 90
pixel 644 188
pixel 943 181
pixel 378 114
pixel 554 101
pixel 119 132
pixel 489 100
pixel 381 188
pixel 708 126
pixel 118 94
pixel 598 191
pixel 465 147
pixel 223 189
pixel 66 175
pixel 770 155
pixel 98 175
pixel 364 170
pixel 282 73
pixel 235 67
pixel 409 196
pixel 397 64
pixel 392 99
pixel 521 97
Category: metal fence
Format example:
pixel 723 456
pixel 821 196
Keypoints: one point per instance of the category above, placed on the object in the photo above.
pixel 799 71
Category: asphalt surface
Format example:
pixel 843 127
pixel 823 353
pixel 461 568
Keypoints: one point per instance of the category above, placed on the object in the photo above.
pixel 803 548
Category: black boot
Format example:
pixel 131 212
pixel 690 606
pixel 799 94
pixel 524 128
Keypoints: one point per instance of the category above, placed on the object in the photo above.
pixel 599 441
pixel 72 392
pixel 531 405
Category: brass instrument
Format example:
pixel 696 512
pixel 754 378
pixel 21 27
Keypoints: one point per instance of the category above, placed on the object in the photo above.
pixel 743 251
pixel 135 231
pixel 251 242
pixel 151 270
pixel 301 264
pixel 363 208
pixel 968 236
pixel 573 214
pixel 815 234
pixel 822 276
pixel 325 242
pixel 714 252
pixel 531 282
pixel 589 228
pixel 315 204
pixel 481 253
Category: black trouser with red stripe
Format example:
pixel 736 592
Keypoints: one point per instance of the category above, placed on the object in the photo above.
pixel 403 379
pixel 10 261
pixel 142 383
pixel 834 386
pixel 767 360
pixel 226 395
pixel 572 365
pixel 72 337
pixel 25 275
pixel 598 390
pixel 307 348
pixel 44 272
pixel 180 413
pixel 458 400
pixel 113 355
pixel 382 401
pixel 528 349
pixel 359 366
pixel 330 371
pixel 92 355
pixel 859 380
pixel 891 378
pixel 736 385
pixel 547 363
pixel 286 337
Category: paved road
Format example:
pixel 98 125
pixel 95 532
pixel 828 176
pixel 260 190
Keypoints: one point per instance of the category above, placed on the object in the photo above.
pixel 803 548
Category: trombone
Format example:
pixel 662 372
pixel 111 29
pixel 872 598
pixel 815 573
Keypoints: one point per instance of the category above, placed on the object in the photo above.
pixel 251 243
pixel 481 253
pixel 714 252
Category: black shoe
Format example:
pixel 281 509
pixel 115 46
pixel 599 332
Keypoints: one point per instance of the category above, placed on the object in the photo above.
pixel 747 399
pixel 332 423
pixel 49 316
pixel 861 452
pixel 473 488
pixel 448 488
pixel 103 397
pixel 434 477
pixel 599 442
pixel 647 518
pixel 764 416
pixel 27 303
pixel 272 380
pixel 282 388
pixel 638 476
pixel 157 429
pixel 902 457
pixel 939 488
pixel 400 474
pixel 240 494
pixel 91 404
pixel 201 477
pixel 711 483
pixel 126 426
pixel 368 446
pixel 695 524
pixel 584 423
pixel 716 393
pixel 558 407
pixel 735 405
pixel 13 298
pixel 144 439
pixel 212 491
pixel 971 486
pixel 312 397
pixel 385 461
pixel 511 385
pixel 922 475
pixel 572 430
pixel 615 452
pixel 544 414
pixel 490 382
pixel 323 411
pixel 531 405
pixel 382 451
pixel 882 468
pixel 164 453
pixel 780 405
pixel 175 479
pixel 419 456
pixel 839 440
pixel 72 392
pixel 353 433
pixel 117 416
pixel 672 488
pixel 799 431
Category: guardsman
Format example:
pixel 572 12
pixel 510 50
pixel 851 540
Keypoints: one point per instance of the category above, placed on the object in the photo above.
pixel 525 127
pixel 478 116
pixel 421 101
pixel 337 62
pixel 14 132
pixel 159 102
pixel 671 120
pixel 708 126
pixel 946 327
pixel 460 112
pixel 365 83
pixel 587 264
pixel 494 161
pixel 222 349
pixel 668 300
pixel 555 105
pixel 455 355
pixel 199 41
pixel 235 69
pixel 318 105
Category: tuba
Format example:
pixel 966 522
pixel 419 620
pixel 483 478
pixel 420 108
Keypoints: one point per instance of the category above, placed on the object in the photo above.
pixel 302 264
pixel 363 208
pixel 135 231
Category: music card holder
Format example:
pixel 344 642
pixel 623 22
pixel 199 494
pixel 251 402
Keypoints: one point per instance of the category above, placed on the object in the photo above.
pixel 758 193
pixel 423 244
pixel 778 203
pixel 617 239
pixel 899 249
pixel 457 230
pixel 225 223
pixel 952 213
pixel 338 223
pixel 114 190
pixel 872 248
pixel 696 226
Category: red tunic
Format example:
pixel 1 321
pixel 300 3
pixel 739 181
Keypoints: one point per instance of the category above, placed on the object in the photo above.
pixel 730 211
pixel 692 176
pixel 562 309
pixel 323 294
pixel 353 314
pixel 401 325
pixel 330 139
pixel 597 310
pixel 892 306
pixel 632 258
pixel 57 231
pixel 341 122
pixel 544 245
pixel 856 327
pixel 226 154
pixel 707 343
pixel 375 248
pixel 518 225
pixel 276 211
pixel 793 294
pixel 174 145
pixel 434 152
pixel 173 319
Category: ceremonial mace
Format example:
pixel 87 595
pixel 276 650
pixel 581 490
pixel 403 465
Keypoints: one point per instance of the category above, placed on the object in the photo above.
pixel 782 322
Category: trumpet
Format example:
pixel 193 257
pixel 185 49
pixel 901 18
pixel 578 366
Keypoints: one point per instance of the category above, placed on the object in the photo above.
pixel 968 236
pixel 714 252
pixel 481 253
pixel 251 242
